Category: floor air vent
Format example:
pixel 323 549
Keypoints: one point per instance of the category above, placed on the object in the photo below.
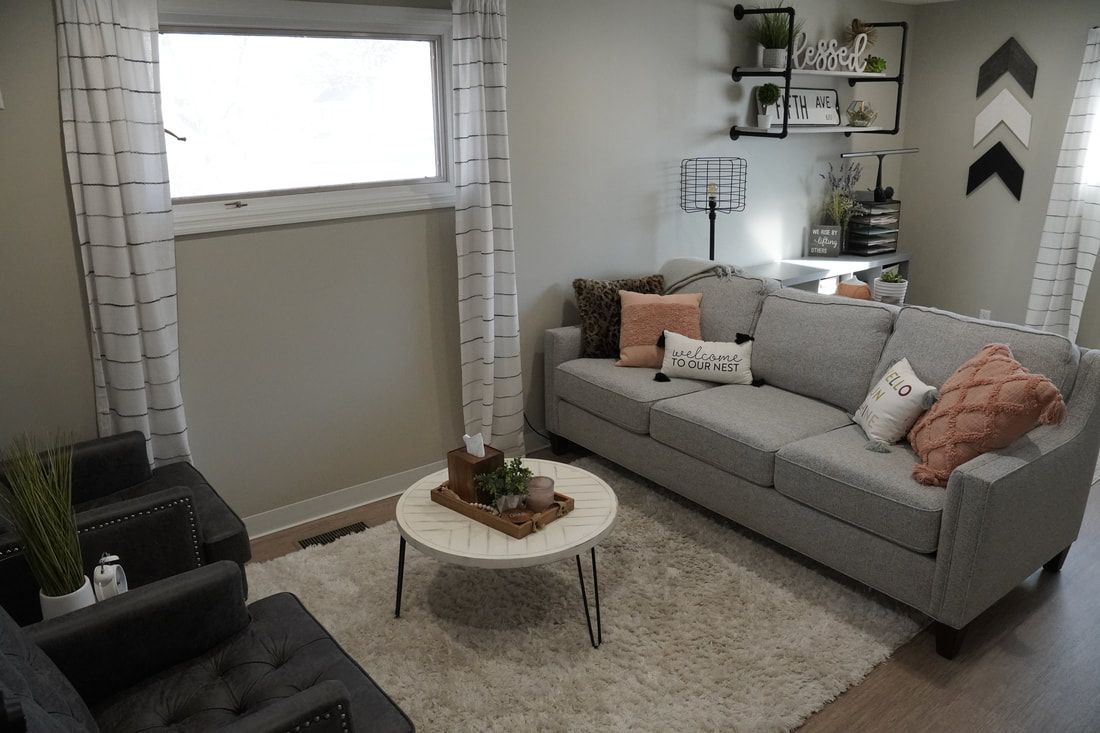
pixel 332 535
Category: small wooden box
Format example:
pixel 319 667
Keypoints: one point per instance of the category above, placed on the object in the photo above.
pixel 462 468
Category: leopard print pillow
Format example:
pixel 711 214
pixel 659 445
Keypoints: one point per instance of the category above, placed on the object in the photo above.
pixel 601 313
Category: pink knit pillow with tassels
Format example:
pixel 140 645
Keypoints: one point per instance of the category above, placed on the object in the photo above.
pixel 984 406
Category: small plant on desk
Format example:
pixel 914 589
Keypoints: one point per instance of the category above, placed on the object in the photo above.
pixel 506 486
pixel 892 276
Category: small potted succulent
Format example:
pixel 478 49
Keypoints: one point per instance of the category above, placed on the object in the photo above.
pixel 890 287
pixel 767 96
pixel 875 64
pixel 861 114
pixel 771 32
pixel 506 487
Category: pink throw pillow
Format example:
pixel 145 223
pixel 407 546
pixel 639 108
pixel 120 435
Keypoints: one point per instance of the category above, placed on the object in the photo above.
pixel 646 318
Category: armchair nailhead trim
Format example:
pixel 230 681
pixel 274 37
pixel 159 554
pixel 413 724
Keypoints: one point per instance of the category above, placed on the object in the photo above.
pixel 158 508
pixel 319 717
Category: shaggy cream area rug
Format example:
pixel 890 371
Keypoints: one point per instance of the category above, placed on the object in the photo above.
pixel 705 628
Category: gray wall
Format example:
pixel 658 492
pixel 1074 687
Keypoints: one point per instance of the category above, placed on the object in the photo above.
pixel 45 370
pixel 606 98
pixel 979 251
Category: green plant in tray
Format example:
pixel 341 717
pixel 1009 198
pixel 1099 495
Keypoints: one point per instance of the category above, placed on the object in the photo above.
pixel 508 480
pixel 36 497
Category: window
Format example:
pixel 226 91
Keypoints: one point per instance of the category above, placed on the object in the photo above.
pixel 276 114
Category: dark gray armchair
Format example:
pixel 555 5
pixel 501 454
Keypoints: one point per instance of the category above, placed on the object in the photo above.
pixel 186 654
pixel 159 522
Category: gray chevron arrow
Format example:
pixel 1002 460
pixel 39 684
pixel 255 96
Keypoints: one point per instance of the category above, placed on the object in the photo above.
pixel 1010 58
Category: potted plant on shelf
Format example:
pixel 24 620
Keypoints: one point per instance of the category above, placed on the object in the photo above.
pixel 36 497
pixel 506 487
pixel 767 96
pixel 861 114
pixel 875 64
pixel 771 33
pixel 890 287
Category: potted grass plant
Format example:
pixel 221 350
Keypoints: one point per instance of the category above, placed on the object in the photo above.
pixel 506 487
pixel 36 497
pixel 771 33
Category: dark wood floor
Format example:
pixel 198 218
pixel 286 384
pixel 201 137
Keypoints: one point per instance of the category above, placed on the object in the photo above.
pixel 1030 663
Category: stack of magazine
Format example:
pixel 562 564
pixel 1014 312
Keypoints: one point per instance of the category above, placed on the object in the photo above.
pixel 873 228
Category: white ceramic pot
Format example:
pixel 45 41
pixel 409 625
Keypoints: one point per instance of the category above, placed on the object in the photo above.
pixel 890 292
pixel 512 501
pixel 540 493
pixel 766 120
pixel 54 606
pixel 774 58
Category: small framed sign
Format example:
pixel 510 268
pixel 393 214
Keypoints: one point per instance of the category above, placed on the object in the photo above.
pixel 824 240
pixel 807 107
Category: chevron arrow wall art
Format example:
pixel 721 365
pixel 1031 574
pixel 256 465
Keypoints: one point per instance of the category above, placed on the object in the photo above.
pixel 1005 108
pixel 996 161
pixel 1010 58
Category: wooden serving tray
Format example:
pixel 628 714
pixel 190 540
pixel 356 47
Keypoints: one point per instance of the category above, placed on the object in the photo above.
pixel 519 531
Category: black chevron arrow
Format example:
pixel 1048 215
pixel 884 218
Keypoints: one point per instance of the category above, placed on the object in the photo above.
pixel 1010 58
pixel 999 161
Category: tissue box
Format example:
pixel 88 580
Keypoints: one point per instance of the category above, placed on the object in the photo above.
pixel 462 468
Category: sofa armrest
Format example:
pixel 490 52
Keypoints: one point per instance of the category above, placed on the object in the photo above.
pixel 118 642
pixel 561 345
pixel 155 536
pixel 105 465
pixel 1010 511
pixel 322 708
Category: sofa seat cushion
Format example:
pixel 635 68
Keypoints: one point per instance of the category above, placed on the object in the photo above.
pixel 835 474
pixel 739 428
pixel 618 394
pixel 282 652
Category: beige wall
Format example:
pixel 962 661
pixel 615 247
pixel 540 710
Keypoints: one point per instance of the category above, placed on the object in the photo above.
pixel 45 368
pixel 606 97
pixel 979 251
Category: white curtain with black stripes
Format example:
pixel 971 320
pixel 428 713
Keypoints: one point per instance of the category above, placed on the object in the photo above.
pixel 1071 233
pixel 492 383
pixel 115 152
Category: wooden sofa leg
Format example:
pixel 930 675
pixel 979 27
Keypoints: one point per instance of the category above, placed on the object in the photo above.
pixel 1054 564
pixel 558 444
pixel 948 640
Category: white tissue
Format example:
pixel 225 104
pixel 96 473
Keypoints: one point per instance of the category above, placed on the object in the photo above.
pixel 475 445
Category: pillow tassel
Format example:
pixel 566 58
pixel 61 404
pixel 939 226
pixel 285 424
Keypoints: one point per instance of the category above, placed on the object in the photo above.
pixel 661 377
pixel 1054 414
pixel 877 446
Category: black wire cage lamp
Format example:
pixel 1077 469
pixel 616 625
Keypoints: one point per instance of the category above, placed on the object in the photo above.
pixel 712 185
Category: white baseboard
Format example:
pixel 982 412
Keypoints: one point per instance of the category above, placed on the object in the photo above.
pixel 341 500
pixel 337 501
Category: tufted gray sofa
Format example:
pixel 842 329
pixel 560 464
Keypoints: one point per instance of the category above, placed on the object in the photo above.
pixel 186 654
pixel 786 460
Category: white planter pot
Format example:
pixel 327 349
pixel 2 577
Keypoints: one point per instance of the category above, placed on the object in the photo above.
pixel 773 58
pixel 767 120
pixel 54 606
pixel 890 292
pixel 512 501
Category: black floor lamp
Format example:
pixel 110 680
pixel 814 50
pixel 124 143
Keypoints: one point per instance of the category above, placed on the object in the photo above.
pixel 712 185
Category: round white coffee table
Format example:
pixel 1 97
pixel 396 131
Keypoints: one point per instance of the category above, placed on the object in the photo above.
pixel 450 537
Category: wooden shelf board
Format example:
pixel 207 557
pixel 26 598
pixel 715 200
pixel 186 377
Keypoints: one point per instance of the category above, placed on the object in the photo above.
pixel 750 70
pixel 806 129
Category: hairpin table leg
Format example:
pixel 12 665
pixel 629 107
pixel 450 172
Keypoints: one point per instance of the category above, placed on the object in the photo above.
pixel 595 637
pixel 400 578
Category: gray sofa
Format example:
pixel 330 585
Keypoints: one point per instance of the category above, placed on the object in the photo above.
pixel 785 459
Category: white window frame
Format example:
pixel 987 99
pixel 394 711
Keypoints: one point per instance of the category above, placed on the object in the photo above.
pixel 245 211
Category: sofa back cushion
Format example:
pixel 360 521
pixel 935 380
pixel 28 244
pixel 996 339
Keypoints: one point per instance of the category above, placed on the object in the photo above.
pixel 939 342
pixel 820 346
pixel 27 677
pixel 731 304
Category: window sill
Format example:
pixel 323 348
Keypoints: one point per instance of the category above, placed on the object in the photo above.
pixel 277 210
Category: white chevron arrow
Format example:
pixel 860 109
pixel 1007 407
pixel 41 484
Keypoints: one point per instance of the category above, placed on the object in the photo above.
pixel 1007 109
